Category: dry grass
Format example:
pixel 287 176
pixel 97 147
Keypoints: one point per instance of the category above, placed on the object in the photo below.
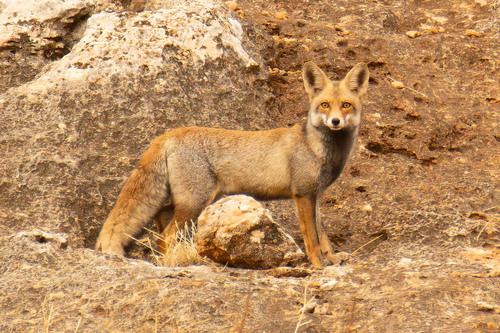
pixel 47 315
pixel 247 310
pixel 181 253
pixel 303 309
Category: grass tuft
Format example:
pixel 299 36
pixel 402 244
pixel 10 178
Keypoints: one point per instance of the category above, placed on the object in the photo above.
pixel 182 253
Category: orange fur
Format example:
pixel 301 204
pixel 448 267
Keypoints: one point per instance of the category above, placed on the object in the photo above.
pixel 186 169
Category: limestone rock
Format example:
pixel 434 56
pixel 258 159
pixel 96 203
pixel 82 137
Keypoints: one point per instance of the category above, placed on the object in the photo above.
pixel 238 231
pixel 83 91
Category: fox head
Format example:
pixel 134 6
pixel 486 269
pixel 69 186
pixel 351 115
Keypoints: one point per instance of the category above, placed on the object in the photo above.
pixel 335 104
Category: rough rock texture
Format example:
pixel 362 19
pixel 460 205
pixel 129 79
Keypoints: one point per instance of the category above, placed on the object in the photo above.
pixel 49 288
pixel 72 135
pixel 239 232
pixel 417 203
pixel 34 33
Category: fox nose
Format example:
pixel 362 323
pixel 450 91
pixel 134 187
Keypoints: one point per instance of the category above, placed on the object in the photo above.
pixel 335 121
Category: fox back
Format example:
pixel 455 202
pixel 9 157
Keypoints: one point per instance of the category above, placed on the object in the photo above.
pixel 186 169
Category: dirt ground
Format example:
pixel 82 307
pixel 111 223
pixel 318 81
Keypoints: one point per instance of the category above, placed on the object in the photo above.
pixel 417 205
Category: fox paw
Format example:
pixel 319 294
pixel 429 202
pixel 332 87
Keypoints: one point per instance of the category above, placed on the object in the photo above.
pixel 337 258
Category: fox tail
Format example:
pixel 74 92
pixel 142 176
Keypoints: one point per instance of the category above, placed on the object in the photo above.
pixel 143 195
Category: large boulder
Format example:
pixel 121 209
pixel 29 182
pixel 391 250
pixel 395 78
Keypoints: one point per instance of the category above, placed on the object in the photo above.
pixel 96 86
pixel 238 231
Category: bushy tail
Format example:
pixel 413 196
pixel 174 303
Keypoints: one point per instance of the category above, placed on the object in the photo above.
pixel 144 194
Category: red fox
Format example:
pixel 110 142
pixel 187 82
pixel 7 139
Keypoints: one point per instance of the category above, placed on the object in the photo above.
pixel 186 169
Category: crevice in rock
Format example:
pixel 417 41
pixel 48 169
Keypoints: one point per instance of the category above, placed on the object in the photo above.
pixel 23 56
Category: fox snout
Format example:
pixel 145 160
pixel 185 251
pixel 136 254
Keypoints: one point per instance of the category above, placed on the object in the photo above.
pixel 337 121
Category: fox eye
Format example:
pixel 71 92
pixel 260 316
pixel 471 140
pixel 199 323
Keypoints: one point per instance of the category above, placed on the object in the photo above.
pixel 325 105
pixel 346 105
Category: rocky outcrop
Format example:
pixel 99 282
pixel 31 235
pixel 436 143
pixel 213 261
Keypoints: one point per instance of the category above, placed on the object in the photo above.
pixel 239 232
pixel 74 124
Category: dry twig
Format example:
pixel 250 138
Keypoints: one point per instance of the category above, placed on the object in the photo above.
pixel 302 311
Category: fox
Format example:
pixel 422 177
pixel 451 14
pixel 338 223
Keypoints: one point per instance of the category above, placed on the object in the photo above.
pixel 186 169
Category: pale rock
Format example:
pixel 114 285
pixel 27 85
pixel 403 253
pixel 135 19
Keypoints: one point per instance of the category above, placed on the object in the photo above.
pixel 282 15
pixel 232 5
pixel 473 33
pixel 367 208
pixel 310 306
pixel 330 285
pixel 413 34
pixel 121 79
pixel 238 231
pixel 397 84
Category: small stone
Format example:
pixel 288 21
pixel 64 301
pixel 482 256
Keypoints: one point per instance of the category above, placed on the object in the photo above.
pixel 283 15
pixel 435 30
pixel 367 208
pixel 310 306
pixel 329 285
pixel 397 84
pixel 322 309
pixel 440 19
pixel 232 5
pixel 473 33
pixel 485 307
pixel 413 34
pixel 405 262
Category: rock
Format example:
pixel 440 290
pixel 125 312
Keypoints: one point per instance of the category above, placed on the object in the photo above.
pixel 232 5
pixel 239 232
pixel 473 33
pixel 282 15
pixel 330 285
pixel 310 306
pixel 367 208
pixel 75 117
pixel 435 30
pixel 45 240
pixel 413 34
pixel 323 309
pixel 397 84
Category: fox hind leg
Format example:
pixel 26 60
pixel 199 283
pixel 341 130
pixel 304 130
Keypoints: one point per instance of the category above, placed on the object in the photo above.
pixel 181 217
pixel 163 218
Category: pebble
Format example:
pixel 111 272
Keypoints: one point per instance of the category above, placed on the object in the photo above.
pixel 473 33
pixel 397 84
pixel 322 309
pixel 232 5
pixel 309 307
pixel 281 15
pixel 330 285
pixel 435 30
pixel 413 33
pixel 367 208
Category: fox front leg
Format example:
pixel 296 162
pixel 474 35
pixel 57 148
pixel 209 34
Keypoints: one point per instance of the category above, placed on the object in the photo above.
pixel 325 244
pixel 306 208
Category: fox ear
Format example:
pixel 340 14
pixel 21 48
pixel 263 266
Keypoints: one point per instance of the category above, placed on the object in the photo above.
pixel 314 78
pixel 357 79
